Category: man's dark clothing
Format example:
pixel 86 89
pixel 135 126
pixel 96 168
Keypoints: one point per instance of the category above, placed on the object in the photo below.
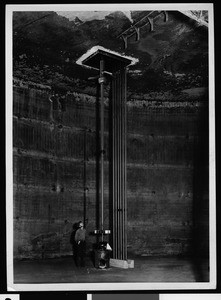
pixel 80 247
pixel 80 235
pixel 80 253
pixel 73 243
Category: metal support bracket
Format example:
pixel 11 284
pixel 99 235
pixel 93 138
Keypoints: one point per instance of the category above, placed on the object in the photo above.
pixel 150 20
pixel 137 33
pixel 125 41
pixel 165 16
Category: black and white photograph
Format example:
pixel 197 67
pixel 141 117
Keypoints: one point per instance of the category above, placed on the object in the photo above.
pixel 110 147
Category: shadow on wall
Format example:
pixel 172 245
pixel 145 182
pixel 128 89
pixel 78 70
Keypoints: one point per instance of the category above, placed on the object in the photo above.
pixel 200 238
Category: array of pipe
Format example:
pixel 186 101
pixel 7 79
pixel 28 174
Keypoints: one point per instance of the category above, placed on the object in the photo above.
pixel 119 164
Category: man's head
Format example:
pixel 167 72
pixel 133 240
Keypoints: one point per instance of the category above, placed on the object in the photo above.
pixel 81 225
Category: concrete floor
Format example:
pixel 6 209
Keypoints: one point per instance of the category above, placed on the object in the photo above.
pixel 146 269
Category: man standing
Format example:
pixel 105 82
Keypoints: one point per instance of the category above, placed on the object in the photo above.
pixel 80 244
pixel 72 241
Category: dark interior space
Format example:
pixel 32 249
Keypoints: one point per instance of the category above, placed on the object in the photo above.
pixel 56 145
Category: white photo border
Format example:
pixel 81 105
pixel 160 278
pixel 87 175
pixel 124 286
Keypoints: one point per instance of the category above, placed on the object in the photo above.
pixel 9 146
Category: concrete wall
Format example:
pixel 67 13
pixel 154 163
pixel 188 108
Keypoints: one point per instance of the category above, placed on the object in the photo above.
pixel 167 174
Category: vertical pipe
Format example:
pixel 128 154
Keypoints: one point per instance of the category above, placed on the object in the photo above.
pixel 111 185
pixel 113 143
pixel 125 159
pixel 115 160
pixel 85 172
pixel 102 145
pixel 125 143
pixel 116 164
pixel 122 159
pixel 121 219
pixel 98 158
pixel 119 186
pixel 113 163
pixel 121 181
pixel 122 150
pixel 118 169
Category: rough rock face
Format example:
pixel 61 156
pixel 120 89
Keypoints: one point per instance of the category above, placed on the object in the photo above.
pixel 172 57
pixel 55 121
